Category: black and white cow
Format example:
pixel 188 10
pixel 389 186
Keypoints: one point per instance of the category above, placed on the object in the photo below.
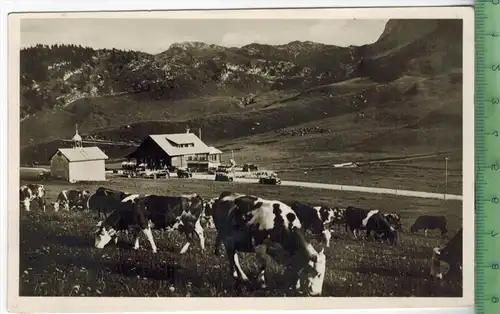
pixel 331 216
pixel 32 192
pixel 428 222
pixel 370 220
pixel 394 220
pixel 168 213
pixel 249 224
pixel 69 199
pixel 314 220
pixel 207 218
pixel 105 200
pixel 451 254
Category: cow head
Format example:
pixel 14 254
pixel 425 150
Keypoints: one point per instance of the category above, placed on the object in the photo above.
pixel 103 235
pixel 312 268
pixel 55 205
pixel 392 236
pixel 413 228
pixel 25 196
pixel 338 214
pixel 40 191
pixel 313 274
pixel 394 219
pixel 26 204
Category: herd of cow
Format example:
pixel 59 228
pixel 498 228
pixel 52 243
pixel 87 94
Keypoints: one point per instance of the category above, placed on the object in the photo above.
pixel 246 224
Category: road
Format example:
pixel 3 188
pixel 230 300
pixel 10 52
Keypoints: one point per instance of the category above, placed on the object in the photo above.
pixel 339 187
pixel 316 185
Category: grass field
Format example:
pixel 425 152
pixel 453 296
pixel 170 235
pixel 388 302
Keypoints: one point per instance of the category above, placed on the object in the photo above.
pixel 57 257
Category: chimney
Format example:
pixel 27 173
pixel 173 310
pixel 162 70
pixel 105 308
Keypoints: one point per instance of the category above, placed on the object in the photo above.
pixel 199 133
pixel 187 129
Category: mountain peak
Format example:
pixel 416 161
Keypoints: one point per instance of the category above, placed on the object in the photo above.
pixel 198 45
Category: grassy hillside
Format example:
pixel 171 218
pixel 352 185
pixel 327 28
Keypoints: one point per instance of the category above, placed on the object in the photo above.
pixel 60 243
pixel 304 103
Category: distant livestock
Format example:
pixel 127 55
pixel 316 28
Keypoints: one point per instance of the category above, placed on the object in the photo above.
pixel 32 192
pixel 370 220
pixel 249 224
pixel 69 199
pixel 427 222
pixel 168 213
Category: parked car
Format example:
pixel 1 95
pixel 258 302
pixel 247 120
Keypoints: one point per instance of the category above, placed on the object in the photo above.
pixel 224 176
pixel 43 175
pixel 270 178
pixel 184 173
pixel 155 174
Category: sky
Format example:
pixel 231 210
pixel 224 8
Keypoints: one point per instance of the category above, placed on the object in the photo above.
pixel 156 35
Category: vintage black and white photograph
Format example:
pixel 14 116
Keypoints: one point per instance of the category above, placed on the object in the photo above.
pixel 241 157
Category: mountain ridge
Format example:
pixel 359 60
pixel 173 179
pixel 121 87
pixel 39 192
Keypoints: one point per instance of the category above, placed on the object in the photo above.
pixel 202 85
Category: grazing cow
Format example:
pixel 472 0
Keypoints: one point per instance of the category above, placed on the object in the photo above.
pixel 394 220
pixel 248 224
pixel 31 192
pixel 451 254
pixel 169 213
pixel 314 219
pixel 70 199
pixel 429 223
pixel 369 220
pixel 105 200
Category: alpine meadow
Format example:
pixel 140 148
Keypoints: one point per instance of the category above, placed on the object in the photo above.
pixel 343 163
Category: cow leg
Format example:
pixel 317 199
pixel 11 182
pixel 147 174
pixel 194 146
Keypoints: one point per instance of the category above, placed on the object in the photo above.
pixel 218 242
pixel 425 232
pixel 237 266
pixel 41 203
pixel 198 230
pixel 136 239
pixel 327 235
pixel 261 252
pixel 186 246
pixel 66 206
pixel 355 233
pixel 234 262
pixel 292 277
pixel 149 235
pixel 436 264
